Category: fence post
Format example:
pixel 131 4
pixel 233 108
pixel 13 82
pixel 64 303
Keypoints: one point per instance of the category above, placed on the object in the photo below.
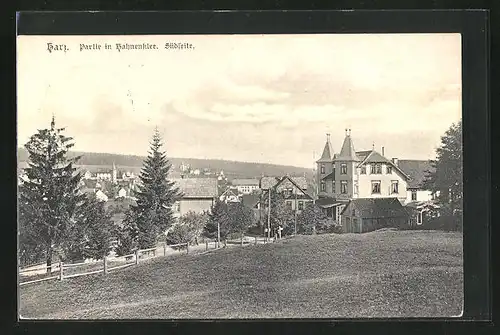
pixel 165 249
pixel 61 275
pixel 206 245
pixel 187 248
pixel 137 257
pixel 241 240
pixel 255 240
pixel 105 264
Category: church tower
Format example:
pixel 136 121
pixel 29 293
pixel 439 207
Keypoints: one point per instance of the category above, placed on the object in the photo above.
pixel 346 169
pixel 114 174
pixel 324 168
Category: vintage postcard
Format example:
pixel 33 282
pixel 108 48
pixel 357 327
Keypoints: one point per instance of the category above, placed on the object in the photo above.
pixel 240 176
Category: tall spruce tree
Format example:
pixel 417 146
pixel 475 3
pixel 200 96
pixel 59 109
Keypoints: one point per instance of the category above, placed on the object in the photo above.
pixel 155 196
pixel 49 196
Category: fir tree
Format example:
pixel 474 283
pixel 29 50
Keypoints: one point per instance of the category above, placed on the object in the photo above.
pixel 99 229
pixel 155 196
pixel 49 197
pixel 218 220
pixel 241 218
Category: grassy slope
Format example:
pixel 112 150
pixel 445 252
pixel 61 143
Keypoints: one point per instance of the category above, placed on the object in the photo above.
pixel 380 274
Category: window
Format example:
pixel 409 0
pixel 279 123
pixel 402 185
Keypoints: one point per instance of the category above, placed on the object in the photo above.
pixel 356 188
pixel 353 213
pixel 389 169
pixel 343 169
pixel 301 205
pixel 419 218
pixel 413 195
pixel 177 207
pixel 322 167
pixel 333 186
pixel 378 168
pixel 323 186
pixel 394 187
pixel 289 204
pixel 343 187
pixel 372 169
pixel 363 169
pixel 376 187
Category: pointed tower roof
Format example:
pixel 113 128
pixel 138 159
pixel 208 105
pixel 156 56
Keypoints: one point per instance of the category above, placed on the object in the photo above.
pixel 327 155
pixel 347 153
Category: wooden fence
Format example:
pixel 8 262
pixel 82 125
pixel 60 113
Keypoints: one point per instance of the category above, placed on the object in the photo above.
pixel 63 271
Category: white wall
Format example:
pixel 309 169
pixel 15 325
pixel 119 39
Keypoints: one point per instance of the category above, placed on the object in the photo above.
pixel 422 195
pixel 365 184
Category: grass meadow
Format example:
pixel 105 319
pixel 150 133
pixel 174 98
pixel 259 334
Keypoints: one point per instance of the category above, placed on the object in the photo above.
pixel 373 275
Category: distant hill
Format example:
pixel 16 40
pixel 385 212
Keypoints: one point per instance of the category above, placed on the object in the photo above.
pixel 231 169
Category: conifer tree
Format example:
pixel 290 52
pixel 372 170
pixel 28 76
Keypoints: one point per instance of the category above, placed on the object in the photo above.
pixel 155 196
pixel 49 196
pixel 446 178
pixel 218 219
pixel 99 229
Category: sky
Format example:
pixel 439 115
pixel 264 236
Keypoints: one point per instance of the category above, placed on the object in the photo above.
pixel 253 98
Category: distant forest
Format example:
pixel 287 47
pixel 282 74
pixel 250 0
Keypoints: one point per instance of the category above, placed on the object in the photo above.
pixel 231 169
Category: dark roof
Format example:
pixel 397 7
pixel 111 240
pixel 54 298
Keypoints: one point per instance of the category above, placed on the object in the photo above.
pixel 363 154
pixel 268 182
pixel 347 153
pixel 416 170
pixel 373 156
pixel 250 200
pixel 197 187
pixel 324 201
pixel 327 155
pixel 378 207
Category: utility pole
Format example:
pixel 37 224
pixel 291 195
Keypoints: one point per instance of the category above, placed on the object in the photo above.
pixel 296 207
pixel 269 216
pixel 218 234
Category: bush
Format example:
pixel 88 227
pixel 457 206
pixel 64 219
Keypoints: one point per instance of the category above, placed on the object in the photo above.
pixel 445 223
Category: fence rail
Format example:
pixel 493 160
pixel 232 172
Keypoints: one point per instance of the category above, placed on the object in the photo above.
pixel 59 268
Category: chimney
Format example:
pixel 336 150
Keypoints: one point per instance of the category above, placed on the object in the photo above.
pixel 383 151
pixel 395 161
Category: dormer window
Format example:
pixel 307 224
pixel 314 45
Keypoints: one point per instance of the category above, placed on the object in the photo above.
pixel 389 169
pixel 363 169
pixel 322 168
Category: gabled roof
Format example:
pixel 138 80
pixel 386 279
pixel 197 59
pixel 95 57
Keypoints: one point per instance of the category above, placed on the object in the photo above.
pixel 416 170
pixel 347 153
pixel 292 180
pixel 268 182
pixel 377 208
pixel 328 154
pixel 374 157
pixel 230 191
pixel 197 187
pixel 245 182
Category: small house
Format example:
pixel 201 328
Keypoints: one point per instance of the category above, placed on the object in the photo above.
pixel 368 214
pixel 198 195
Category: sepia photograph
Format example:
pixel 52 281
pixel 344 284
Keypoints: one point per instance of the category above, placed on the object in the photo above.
pixel 240 176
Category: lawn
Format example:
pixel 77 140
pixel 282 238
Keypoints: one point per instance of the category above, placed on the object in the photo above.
pixel 378 274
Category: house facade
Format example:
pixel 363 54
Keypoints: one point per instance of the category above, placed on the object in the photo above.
pixel 198 195
pixel 246 186
pixel 294 190
pixel 355 174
